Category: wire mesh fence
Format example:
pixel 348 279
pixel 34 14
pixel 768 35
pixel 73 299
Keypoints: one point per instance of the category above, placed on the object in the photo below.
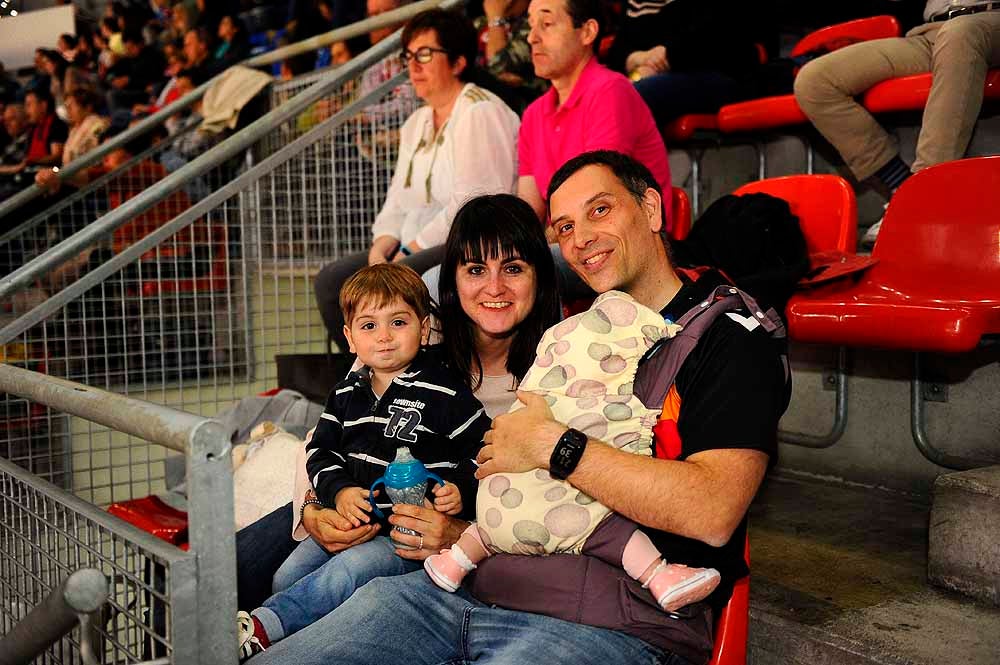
pixel 194 317
pixel 45 535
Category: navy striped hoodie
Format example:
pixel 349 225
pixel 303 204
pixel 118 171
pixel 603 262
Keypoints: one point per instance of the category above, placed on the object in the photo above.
pixel 427 408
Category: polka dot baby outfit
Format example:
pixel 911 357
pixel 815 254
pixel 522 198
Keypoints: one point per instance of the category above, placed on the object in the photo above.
pixel 584 368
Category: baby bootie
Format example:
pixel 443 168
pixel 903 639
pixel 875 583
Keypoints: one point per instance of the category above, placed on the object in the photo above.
pixel 449 568
pixel 674 585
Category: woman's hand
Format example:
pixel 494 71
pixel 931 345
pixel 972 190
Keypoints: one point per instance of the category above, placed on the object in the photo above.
pixel 383 247
pixel 647 63
pixel 437 530
pixel 334 532
pixel 447 499
pixel 352 503
pixel 412 248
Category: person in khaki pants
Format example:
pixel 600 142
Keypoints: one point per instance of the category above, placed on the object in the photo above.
pixel 958 44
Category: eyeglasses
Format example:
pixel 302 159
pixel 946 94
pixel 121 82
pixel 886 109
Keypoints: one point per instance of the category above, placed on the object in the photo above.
pixel 423 55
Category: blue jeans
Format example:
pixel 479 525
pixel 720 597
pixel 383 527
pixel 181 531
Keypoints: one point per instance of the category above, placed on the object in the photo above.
pixel 306 558
pixel 326 588
pixel 674 94
pixel 260 549
pixel 407 620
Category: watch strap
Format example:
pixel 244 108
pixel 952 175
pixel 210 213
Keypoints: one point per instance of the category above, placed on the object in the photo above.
pixel 567 453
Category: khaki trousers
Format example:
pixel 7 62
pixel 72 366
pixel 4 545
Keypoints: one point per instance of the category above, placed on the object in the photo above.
pixel 958 53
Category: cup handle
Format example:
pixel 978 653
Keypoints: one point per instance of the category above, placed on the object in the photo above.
pixel 371 497
pixel 436 478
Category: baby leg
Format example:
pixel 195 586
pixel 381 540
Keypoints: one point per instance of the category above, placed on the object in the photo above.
pixel 450 567
pixel 619 542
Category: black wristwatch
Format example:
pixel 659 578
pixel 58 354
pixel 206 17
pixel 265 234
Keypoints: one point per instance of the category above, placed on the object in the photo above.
pixel 567 453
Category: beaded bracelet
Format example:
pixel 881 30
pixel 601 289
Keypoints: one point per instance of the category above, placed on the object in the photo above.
pixel 309 501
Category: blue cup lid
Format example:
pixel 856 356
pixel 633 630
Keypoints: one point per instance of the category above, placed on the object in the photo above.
pixel 405 470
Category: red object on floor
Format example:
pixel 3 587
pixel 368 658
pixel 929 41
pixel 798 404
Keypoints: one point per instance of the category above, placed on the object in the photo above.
pixel 154 516
pixel 934 288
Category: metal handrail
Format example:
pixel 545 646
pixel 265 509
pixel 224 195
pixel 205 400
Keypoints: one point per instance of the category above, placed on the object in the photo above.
pixel 80 286
pixel 148 421
pixel 79 595
pixel 235 144
pixel 340 34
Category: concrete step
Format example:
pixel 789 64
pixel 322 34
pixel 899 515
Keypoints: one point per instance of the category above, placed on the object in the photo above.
pixel 965 533
pixel 839 576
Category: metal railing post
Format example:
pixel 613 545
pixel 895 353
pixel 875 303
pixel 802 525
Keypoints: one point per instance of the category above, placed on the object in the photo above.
pixel 82 593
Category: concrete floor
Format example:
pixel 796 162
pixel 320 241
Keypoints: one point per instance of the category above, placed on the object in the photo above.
pixel 839 576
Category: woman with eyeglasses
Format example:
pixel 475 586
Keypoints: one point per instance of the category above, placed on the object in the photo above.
pixel 462 143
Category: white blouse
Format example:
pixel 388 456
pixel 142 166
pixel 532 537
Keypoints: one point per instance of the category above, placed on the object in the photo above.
pixel 474 152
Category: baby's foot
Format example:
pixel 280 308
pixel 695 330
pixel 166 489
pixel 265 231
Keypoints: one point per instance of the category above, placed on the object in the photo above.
pixel 252 636
pixel 448 568
pixel 674 585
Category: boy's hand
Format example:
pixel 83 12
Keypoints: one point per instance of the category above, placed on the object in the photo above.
pixel 352 503
pixel 447 499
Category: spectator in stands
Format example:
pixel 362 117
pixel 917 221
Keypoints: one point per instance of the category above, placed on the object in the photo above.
pixel 112 36
pixel 588 106
pixel 210 14
pixel 463 142
pixel 958 43
pixel 233 44
pixel 135 75
pixel 54 66
pixel 48 132
pixel 86 128
pixel 15 124
pixel 507 52
pixel 197 53
pixel 687 56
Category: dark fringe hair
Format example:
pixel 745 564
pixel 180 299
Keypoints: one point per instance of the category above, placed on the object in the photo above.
pixel 454 33
pixel 496 226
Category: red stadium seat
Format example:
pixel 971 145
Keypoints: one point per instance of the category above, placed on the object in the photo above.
pixel 683 128
pixel 909 93
pixel 935 285
pixel 680 208
pixel 934 288
pixel 732 627
pixel 849 32
pixel 825 205
pixel 828 214
pixel 782 110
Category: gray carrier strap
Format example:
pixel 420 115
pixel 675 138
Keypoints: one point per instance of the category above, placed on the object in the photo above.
pixel 660 366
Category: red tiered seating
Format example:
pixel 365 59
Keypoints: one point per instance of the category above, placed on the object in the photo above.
pixel 909 93
pixel 935 287
pixel 680 208
pixel 684 127
pixel 783 110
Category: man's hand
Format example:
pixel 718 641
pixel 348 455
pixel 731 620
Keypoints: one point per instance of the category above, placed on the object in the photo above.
pixel 352 504
pixel 447 499
pixel 437 530
pixel 522 440
pixel 332 531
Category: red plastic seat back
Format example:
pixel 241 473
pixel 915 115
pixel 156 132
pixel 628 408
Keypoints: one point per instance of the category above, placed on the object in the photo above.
pixel 825 205
pixel 732 627
pixel 843 34
pixel 941 233
pixel 680 207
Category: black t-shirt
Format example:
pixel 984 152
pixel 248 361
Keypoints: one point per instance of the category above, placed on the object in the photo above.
pixel 733 392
